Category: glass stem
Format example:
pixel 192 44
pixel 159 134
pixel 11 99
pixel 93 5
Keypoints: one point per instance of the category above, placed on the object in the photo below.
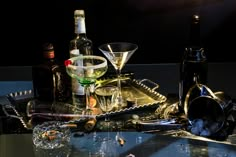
pixel 106 115
pixel 119 81
pixel 87 94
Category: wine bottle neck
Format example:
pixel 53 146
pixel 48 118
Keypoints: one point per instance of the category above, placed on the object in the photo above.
pixel 48 51
pixel 195 32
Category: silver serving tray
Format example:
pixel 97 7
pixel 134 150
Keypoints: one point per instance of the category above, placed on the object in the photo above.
pixel 144 90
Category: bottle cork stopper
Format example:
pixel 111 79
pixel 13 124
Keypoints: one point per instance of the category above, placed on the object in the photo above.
pixel 47 46
pixel 79 12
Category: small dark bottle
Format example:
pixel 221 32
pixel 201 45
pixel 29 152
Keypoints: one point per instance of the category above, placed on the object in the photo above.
pixel 193 68
pixel 50 80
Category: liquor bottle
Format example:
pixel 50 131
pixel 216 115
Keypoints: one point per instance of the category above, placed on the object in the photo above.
pixel 80 45
pixel 50 81
pixel 193 68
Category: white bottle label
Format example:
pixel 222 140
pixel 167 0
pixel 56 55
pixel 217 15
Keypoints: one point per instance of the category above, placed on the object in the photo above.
pixel 81 25
pixel 77 88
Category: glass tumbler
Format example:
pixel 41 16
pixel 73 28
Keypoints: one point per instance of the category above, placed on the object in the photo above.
pixel 106 96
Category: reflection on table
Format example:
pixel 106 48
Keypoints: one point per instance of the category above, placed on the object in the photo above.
pixel 136 143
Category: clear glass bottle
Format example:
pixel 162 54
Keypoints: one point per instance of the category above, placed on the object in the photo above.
pixel 80 45
pixel 193 68
pixel 50 81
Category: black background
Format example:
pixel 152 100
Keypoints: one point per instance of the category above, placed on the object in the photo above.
pixel 160 28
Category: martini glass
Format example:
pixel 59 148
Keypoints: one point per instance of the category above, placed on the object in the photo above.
pixel 86 69
pixel 118 53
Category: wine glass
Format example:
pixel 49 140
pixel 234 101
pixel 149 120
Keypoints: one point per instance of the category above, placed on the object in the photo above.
pixel 118 53
pixel 86 69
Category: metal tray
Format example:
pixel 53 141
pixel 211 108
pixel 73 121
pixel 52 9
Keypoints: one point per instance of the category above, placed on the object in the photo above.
pixel 144 90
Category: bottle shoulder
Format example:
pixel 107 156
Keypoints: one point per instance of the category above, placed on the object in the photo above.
pixel 83 44
pixel 194 54
pixel 83 38
pixel 80 40
pixel 49 65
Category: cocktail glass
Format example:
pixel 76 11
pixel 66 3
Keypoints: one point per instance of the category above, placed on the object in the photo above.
pixel 86 69
pixel 118 53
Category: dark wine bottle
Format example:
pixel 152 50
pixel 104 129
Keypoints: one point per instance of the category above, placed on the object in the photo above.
pixel 50 80
pixel 193 68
